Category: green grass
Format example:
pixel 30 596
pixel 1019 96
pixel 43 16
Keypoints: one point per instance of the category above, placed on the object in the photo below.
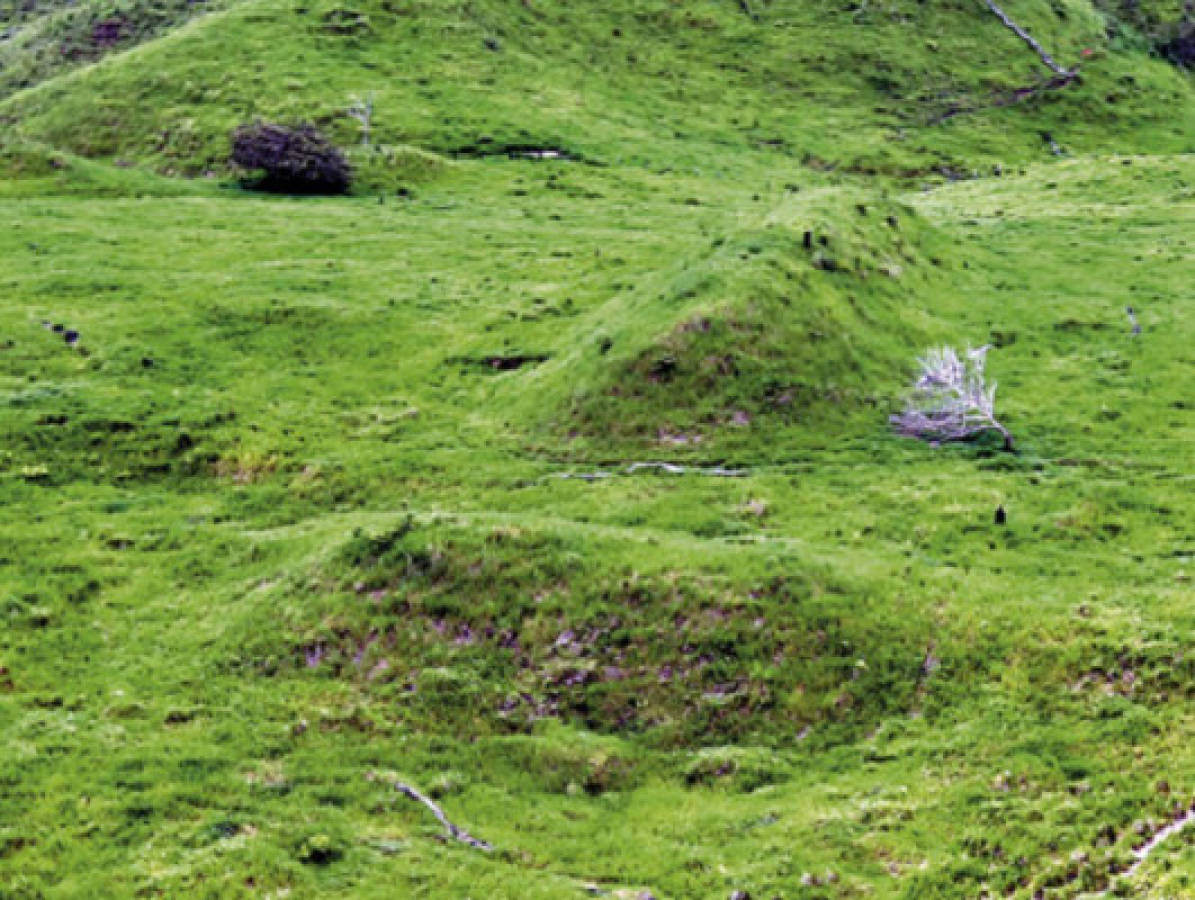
pixel 289 523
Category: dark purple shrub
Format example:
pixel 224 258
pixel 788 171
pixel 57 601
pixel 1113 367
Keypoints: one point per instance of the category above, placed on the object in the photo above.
pixel 1180 48
pixel 296 159
pixel 108 32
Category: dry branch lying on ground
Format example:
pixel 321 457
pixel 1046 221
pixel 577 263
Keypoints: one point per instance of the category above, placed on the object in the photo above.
pixel 1033 44
pixel 665 467
pixel 1062 77
pixel 454 831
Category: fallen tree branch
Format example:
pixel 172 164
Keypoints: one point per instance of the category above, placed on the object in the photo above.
pixel 1183 819
pixel 1025 36
pixel 666 467
pixel 454 831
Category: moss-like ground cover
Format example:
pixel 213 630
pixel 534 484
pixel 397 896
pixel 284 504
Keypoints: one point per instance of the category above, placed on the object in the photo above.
pixel 289 521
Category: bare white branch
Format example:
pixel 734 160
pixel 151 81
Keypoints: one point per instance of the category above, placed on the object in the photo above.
pixel 454 831
pixel 950 399
pixel 362 111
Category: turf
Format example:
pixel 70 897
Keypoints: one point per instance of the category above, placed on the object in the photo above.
pixel 313 504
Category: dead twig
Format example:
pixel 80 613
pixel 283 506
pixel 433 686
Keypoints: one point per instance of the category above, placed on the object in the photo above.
pixel 454 831
pixel 666 467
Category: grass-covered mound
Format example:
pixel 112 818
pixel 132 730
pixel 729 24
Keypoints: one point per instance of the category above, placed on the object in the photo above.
pixel 489 633
pixel 804 320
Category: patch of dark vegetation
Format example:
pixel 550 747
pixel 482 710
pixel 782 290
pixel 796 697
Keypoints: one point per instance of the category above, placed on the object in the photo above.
pixel 72 443
pixel 500 362
pixel 1073 324
pixel 1180 49
pixel 109 32
pixel 295 159
pixel 1160 27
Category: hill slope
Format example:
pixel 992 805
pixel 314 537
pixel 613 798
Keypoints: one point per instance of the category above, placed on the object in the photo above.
pixel 335 492
pixel 903 89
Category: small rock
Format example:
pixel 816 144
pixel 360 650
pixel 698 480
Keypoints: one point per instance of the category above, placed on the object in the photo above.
pixel 1079 856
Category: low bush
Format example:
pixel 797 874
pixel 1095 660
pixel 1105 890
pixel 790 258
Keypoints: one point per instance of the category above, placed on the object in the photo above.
pixel 295 159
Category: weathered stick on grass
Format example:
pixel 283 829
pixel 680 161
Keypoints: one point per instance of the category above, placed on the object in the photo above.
pixel 666 467
pixel 454 831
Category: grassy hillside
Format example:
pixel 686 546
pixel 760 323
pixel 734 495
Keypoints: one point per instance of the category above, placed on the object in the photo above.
pixel 900 88
pixel 40 39
pixel 334 492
